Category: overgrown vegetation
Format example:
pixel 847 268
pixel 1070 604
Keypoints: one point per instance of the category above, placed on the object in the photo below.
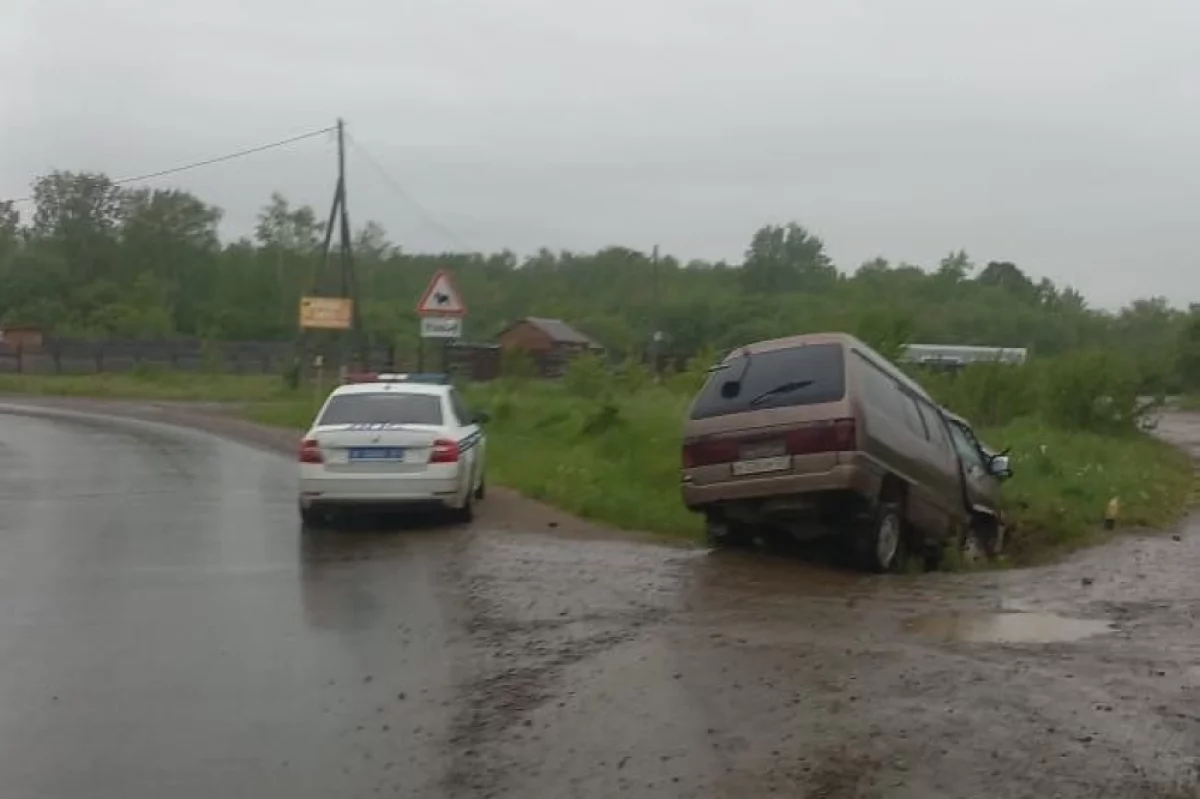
pixel 91 258
pixel 607 446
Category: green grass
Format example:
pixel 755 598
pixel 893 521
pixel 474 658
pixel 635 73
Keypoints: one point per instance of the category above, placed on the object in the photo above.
pixel 620 465
pixel 151 385
pixel 294 411
pixel 617 461
pixel 1189 402
pixel 1064 480
pixel 622 468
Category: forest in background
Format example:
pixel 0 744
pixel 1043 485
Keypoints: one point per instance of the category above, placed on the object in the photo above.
pixel 89 258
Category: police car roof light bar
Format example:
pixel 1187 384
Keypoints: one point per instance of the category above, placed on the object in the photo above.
pixel 436 378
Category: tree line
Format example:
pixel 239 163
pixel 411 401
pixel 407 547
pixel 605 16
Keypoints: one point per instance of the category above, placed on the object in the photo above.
pixel 94 259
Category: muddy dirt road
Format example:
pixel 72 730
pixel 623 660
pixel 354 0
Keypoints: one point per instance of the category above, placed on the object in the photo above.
pixel 168 630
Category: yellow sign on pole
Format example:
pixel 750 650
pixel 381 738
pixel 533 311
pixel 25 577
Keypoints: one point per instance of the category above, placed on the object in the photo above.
pixel 326 313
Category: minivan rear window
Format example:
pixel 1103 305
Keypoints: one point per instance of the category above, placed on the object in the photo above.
pixel 384 407
pixel 803 375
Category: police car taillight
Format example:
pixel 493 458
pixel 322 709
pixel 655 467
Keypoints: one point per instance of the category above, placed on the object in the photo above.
pixel 444 450
pixel 310 451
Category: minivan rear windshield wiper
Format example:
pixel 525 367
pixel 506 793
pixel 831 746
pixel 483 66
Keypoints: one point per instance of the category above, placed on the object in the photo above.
pixel 782 388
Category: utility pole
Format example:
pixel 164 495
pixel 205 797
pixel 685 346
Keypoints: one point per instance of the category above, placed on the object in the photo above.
pixel 346 282
pixel 655 321
pixel 349 277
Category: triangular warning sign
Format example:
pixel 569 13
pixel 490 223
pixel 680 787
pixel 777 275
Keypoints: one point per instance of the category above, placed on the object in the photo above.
pixel 441 298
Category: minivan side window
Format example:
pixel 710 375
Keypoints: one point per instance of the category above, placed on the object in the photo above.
pixel 880 389
pixel 912 415
pixel 885 393
pixel 935 424
pixel 965 447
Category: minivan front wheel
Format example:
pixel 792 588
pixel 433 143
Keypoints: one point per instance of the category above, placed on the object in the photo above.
pixel 971 547
pixel 990 532
pixel 880 541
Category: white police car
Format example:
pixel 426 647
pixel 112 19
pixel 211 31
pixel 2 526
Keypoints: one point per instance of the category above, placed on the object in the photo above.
pixel 392 440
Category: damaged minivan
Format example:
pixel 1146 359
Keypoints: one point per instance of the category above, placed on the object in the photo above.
pixel 820 435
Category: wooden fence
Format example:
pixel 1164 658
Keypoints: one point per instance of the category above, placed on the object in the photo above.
pixel 92 356
pixel 88 356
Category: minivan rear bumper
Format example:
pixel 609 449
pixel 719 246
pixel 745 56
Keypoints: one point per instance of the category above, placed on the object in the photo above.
pixel 852 472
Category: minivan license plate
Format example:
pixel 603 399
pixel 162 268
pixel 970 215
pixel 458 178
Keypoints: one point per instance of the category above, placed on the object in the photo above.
pixel 760 465
pixel 757 450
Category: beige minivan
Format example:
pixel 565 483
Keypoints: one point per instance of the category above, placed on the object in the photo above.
pixel 820 435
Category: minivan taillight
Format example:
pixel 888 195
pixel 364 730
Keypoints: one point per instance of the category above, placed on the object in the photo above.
pixel 444 451
pixel 839 435
pixel 310 451
pixel 707 453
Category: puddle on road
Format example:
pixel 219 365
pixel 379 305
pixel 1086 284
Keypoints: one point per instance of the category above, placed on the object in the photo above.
pixel 1008 628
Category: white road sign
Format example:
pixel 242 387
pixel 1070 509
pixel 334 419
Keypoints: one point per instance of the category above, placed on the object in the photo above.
pixel 441 327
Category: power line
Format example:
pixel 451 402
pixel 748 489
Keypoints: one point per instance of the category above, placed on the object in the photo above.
pixel 209 161
pixel 395 185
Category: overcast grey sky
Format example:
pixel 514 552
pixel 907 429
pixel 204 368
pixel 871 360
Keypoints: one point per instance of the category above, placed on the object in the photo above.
pixel 1059 134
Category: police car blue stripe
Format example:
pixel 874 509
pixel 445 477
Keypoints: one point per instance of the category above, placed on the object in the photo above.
pixel 465 443
pixel 468 441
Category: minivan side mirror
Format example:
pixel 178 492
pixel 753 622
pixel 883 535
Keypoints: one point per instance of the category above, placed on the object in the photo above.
pixel 999 466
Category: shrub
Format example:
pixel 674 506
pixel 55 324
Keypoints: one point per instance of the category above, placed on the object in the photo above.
pixel 689 380
pixel 989 394
pixel 587 377
pixel 1092 391
pixel 633 376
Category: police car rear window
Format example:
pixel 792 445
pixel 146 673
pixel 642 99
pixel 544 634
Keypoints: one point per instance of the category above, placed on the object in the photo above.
pixel 384 408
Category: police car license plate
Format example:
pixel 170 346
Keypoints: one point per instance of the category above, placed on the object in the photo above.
pixel 376 454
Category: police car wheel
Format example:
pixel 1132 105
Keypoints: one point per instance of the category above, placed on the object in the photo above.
pixel 313 517
pixel 466 513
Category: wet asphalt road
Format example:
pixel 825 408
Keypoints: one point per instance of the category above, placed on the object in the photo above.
pixel 168 630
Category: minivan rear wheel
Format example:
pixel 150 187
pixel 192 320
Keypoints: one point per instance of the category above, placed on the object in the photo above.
pixel 880 539
pixel 721 533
